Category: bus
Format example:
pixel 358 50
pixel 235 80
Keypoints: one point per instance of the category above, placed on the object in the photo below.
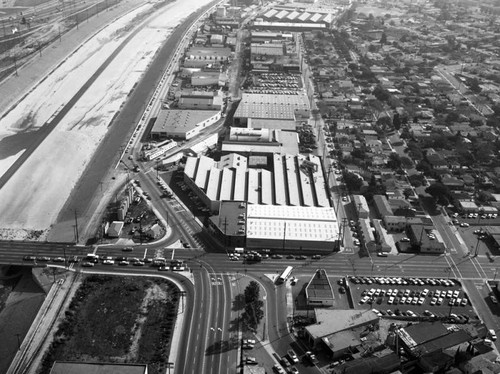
pixel 285 274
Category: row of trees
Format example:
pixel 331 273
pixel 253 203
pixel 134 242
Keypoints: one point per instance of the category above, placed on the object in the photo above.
pixel 254 307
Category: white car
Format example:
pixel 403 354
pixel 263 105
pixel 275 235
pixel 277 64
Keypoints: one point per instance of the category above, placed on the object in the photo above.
pixel 391 300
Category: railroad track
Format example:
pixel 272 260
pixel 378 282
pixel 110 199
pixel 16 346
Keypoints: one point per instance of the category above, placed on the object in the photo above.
pixel 33 343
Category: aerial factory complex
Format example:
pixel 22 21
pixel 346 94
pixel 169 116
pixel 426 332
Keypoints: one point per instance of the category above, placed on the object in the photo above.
pixel 249 186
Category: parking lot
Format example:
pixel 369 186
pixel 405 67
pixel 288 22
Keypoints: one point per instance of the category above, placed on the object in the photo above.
pixel 275 83
pixel 412 297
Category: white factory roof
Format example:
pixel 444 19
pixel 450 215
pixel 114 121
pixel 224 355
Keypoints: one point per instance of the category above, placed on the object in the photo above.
pixel 279 180
pixel 203 168
pixel 244 134
pixel 271 106
pixel 253 186
pixel 240 181
pixel 293 15
pixel 305 184
pixel 226 187
pixel 328 18
pixel 267 187
pixel 232 160
pixel 281 14
pixel 304 16
pixel 291 212
pixel 319 183
pixel 316 17
pixel 291 223
pixel 270 13
pixel 190 167
pixel 295 25
pixel 213 183
pixel 177 121
pixel 292 181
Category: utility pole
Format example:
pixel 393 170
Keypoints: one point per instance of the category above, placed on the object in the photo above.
pixel 15 65
pixel 284 235
pixel 76 229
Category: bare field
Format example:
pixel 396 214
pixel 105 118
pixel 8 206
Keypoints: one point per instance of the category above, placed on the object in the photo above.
pixel 117 319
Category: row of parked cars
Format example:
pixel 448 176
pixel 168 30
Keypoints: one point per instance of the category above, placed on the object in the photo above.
pixel 404 281
pixel 414 297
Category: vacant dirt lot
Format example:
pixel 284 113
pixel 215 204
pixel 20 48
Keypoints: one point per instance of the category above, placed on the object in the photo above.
pixel 117 319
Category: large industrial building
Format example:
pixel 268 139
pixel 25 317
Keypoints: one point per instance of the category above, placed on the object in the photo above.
pixel 292 180
pixel 283 206
pixel 260 141
pixel 281 108
pixel 182 124
pixel 291 228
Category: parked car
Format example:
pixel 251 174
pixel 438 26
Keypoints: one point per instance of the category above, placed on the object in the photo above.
pixel 293 356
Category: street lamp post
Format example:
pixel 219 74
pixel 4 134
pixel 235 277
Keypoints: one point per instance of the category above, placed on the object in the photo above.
pixel 18 341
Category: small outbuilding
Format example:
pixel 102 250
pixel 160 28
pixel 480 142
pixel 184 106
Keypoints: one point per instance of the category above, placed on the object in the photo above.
pixel 115 229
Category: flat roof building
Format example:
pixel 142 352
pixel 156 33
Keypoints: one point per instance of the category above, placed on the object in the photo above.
pixel 267 106
pixel 332 321
pixel 182 124
pixel 361 206
pixel 292 227
pixel 292 180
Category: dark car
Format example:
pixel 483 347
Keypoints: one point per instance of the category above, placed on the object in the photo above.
pixel 29 258
pixel 127 249
pixel 301 257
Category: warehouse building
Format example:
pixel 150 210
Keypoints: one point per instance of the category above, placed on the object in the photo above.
pixel 293 180
pixel 201 100
pixel 182 124
pixel 250 141
pixel 292 228
pixel 208 78
pixel 324 334
pixel 270 107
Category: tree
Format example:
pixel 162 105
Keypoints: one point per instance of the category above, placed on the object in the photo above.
pixel 358 153
pixel 406 163
pixel 396 121
pixel 380 93
pixel 254 308
pixel 439 192
pixel 474 85
pixel 352 181
pixel 383 39
pixel 252 292
pixel 416 180
pixel 394 161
